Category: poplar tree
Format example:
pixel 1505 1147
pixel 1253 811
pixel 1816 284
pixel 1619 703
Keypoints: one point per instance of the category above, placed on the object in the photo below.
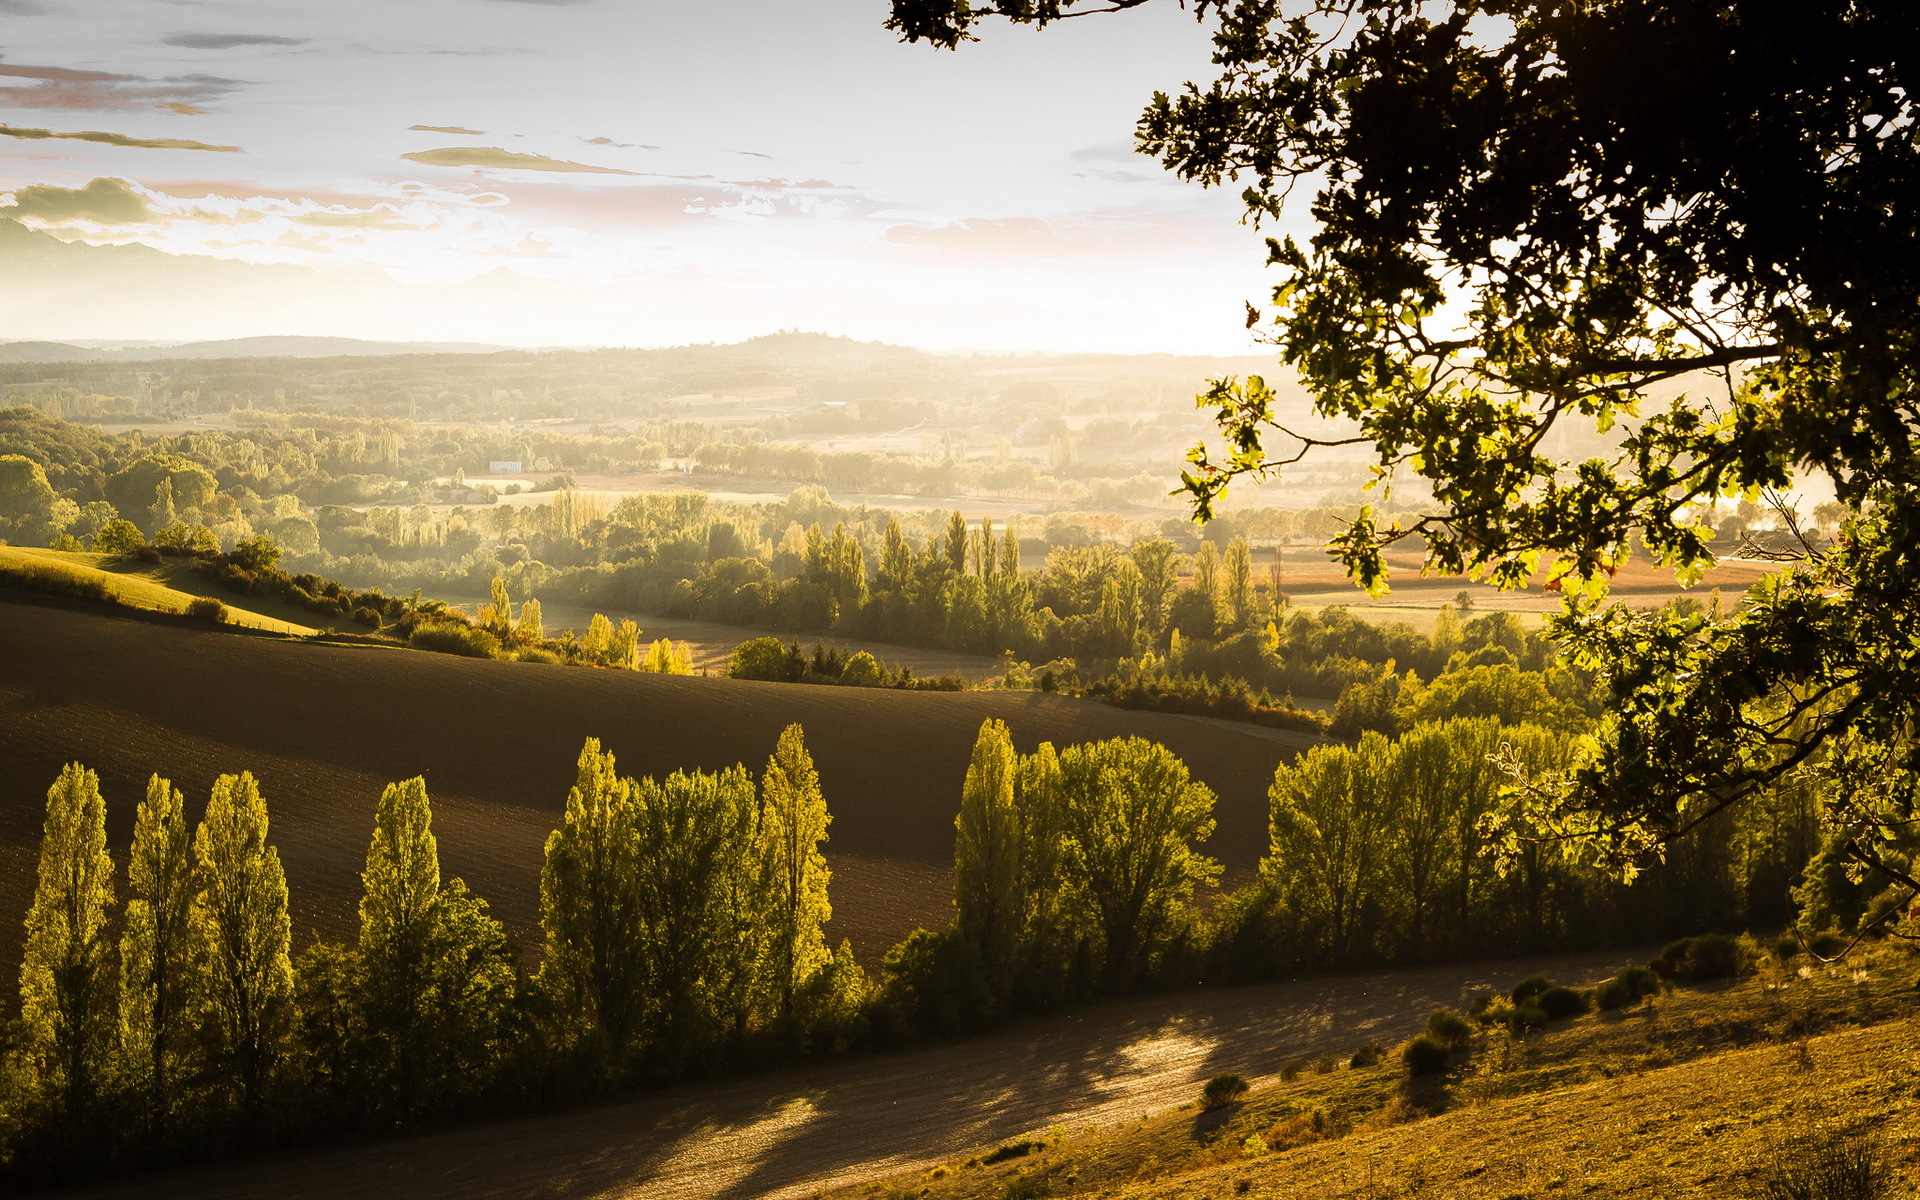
pixel 695 831
pixel 162 952
pixel 530 626
pixel 435 970
pixel 956 545
pixel 793 823
pixel 1240 582
pixel 988 883
pixel 499 614
pixel 588 902
pixel 241 912
pixel 66 972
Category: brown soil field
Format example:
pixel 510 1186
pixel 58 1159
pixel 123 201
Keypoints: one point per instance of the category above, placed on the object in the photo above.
pixel 325 727
pixel 796 1133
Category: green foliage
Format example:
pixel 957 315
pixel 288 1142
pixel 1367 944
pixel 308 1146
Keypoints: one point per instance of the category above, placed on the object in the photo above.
pixel 1424 1056
pixel 447 637
pixel 767 658
pixel 1709 956
pixel 133 489
pixel 118 536
pixel 66 972
pixel 163 954
pixel 207 608
pixel 1449 1028
pixel 588 901
pixel 1529 989
pixel 989 887
pixel 793 824
pixel 1366 1054
pixel 1221 1091
pixel 1627 988
pixel 25 494
pixel 1559 1002
pixel 240 913
pixel 1131 818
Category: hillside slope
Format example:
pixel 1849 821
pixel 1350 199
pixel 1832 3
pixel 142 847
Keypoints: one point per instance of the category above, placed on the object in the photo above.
pixel 325 727
pixel 166 586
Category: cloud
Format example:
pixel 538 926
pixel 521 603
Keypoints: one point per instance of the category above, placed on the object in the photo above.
pixel 102 91
pixel 754 154
pixel 493 156
pixel 179 109
pixel 606 141
pixel 115 139
pixel 104 202
pixel 230 41
pixel 22 8
pixel 446 129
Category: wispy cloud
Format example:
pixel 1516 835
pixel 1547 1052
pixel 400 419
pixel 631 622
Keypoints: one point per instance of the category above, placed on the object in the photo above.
pixel 446 129
pixel 102 91
pixel 493 156
pixel 22 8
pixel 114 139
pixel 229 41
pixel 607 141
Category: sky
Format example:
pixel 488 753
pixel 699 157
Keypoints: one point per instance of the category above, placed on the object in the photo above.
pixel 618 172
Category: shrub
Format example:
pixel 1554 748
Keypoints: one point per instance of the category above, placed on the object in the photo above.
pixel 1367 1054
pixel 207 608
pixel 862 670
pixel 1221 1091
pixel 768 658
pixel 1827 1164
pixel 449 638
pixel 119 537
pixel 1786 948
pixel 1527 989
pixel 1449 1028
pixel 1709 956
pixel 1558 1002
pixel 1027 1187
pixel 1627 989
pixel 1291 1071
pixel 147 554
pixel 368 616
pixel 1826 943
pixel 536 654
pixel 1424 1056
pixel 1012 1150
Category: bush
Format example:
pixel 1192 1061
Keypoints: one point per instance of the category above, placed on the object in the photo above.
pixel 862 670
pixel 1449 1028
pixel 1424 1056
pixel 1012 1150
pixel 207 608
pixel 768 658
pixel 445 637
pixel 1709 956
pixel 535 654
pixel 1627 989
pixel 1221 1091
pixel 1367 1054
pixel 1527 989
pixel 1786 948
pixel 1558 1002
pixel 1828 1164
pixel 1826 944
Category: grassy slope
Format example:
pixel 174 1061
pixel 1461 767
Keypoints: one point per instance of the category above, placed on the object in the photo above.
pixel 168 586
pixel 325 727
pixel 1681 1097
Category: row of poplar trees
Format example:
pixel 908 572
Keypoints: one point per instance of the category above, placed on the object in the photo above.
pixel 682 920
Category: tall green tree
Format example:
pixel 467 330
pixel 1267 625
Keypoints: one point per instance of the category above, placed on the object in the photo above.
pixel 698 907
pixel 163 954
pixel 1132 818
pixel 1329 812
pixel 240 912
pixel 956 543
pixel 66 971
pixel 793 824
pixel 989 883
pixel 588 901
pixel 434 971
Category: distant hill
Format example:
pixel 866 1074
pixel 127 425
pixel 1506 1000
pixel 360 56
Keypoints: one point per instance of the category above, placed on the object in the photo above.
pixel 325 727
pixel 288 346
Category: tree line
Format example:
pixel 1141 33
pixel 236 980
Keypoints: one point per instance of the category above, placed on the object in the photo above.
pixel 682 922
pixel 683 927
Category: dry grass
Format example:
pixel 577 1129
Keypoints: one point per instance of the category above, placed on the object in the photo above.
pixel 1690 1095
pixel 166 586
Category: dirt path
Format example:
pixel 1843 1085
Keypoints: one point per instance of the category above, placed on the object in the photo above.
pixel 792 1133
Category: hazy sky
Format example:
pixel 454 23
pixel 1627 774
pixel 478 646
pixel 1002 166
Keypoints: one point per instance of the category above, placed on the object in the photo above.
pixel 659 172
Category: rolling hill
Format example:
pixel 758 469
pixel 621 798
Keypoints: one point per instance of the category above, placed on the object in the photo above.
pixel 324 727
pixel 166 586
